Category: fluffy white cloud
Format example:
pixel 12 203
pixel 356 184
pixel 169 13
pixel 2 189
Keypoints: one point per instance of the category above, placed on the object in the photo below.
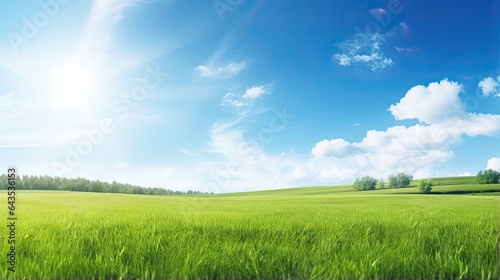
pixel 414 149
pixel 494 163
pixel 210 72
pixel 365 51
pixel 490 86
pixel 431 104
pixel 328 148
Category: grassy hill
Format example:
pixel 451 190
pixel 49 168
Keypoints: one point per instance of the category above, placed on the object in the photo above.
pixel 444 185
pixel 299 233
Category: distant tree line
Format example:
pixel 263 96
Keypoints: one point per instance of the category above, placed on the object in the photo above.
pixel 400 180
pixel 29 182
pixel 365 183
pixel 488 176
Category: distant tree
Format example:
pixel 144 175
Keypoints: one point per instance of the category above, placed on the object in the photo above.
pixel 392 181
pixel 96 186
pixel 488 176
pixel 365 183
pixel 404 180
pixel 115 188
pixel 424 185
pixel 380 184
pixel 138 190
pixel 400 180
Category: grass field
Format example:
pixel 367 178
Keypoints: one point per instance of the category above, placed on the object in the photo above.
pixel 303 233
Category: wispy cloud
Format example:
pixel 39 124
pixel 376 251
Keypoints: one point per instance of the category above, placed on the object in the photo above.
pixel 247 98
pixel 102 21
pixel 27 122
pixel 232 100
pixel 224 72
pixel 236 148
pixel 364 51
pixel 242 163
pixel 412 49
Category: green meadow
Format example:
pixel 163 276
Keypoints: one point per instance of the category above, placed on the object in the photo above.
pixel 301 233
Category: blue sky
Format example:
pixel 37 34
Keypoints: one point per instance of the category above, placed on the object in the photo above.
pixel 236 95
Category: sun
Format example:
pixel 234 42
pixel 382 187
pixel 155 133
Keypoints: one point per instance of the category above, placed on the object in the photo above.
pixel 72 84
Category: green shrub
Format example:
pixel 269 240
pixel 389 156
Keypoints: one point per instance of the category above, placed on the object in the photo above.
pixel 365 183
pixel 488 176
pixel 380 184
pixel 400 180
pixel 425 185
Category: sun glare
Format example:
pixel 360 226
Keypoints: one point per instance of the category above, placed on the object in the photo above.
pixel 72 85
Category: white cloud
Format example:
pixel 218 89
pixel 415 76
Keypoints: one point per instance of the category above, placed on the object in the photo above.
pixel 254 92
pixel 231 99
pixel 247 98
pixel 102 21
pixel 490 86
pixel 298 172
pixel 494 163
pixel 242 163
pixel 211 72
pixel 465 174
pixel 365 51
pixel 327 148
pixel 411 49
pixel 431 104
pixel 414 149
